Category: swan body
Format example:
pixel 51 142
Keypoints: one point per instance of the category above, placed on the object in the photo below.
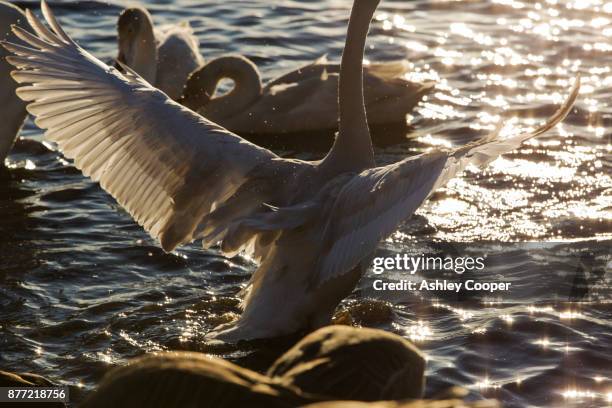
pixel 13 109
pixel 310 225
pixel 304 100
pixel 164 56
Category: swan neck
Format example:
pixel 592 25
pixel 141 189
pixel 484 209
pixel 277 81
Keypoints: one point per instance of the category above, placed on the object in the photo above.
pixel 352 149
pixel 202 84
pixel 140 52
pixel 146 57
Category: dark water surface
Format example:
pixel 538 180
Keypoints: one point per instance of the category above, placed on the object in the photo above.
pixel 83 288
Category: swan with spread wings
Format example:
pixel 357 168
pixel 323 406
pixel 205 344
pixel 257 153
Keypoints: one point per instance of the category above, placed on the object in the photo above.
pixel 309 224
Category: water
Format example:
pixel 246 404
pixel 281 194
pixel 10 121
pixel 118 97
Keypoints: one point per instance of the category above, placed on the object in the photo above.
pixel 82 288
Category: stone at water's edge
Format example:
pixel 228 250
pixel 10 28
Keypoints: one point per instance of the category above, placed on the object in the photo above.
pixel 23 380
pixel 342 362
pixel 8 379
pixel 454 403
pixel 333 363
pixel 187 379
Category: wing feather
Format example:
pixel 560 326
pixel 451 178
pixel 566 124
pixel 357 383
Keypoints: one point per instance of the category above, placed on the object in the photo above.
pixel 374 202
pixel 167 166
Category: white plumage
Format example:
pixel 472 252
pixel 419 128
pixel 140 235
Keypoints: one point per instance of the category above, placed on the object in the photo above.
pixel 164 56
pixel 13 109
pixel 303 100
pixel 309 224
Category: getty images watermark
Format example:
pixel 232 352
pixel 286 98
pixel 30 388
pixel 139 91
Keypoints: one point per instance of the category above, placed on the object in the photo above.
pixel 412 264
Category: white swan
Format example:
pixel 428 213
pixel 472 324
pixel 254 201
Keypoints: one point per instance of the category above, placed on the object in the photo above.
pixel 164 56
pixel 311 225
pixel 13 109
pixel 304 100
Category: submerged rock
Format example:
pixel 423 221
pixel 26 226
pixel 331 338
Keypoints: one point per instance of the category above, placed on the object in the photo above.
pixel 368 312
pixel 350 363
pixel 187 379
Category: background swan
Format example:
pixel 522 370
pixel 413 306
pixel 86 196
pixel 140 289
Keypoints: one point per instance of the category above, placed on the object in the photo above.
pixel 310 225
pixel 303 100
pixel 13 109
pixel 164 56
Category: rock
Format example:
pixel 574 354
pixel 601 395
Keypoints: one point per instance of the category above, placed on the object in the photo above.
pixel 187 379
pixel 347 363
pixel 454 403
pixel 367 312
pixel 8 379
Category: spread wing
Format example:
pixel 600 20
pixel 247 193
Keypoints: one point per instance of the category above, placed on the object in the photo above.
pixel 166 165
pixel 371 205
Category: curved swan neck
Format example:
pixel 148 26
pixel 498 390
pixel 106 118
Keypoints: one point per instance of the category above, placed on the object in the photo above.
pixel 137 43
pixel 352 150
pixel 202 84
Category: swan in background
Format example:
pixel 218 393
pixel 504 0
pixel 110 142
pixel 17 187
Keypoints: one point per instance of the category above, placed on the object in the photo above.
pixel 13 109
pixel 304 100
pixel 311 225
pixel 164 56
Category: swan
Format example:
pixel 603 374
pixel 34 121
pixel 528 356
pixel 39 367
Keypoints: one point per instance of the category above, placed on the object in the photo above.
pixel 164 57
pixel 311 225
pixel 304 100
pixel 13 109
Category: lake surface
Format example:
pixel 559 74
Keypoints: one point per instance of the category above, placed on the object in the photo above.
pixel 83 288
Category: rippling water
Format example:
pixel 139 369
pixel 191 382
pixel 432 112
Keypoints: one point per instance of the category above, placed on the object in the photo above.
pixel 82 288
